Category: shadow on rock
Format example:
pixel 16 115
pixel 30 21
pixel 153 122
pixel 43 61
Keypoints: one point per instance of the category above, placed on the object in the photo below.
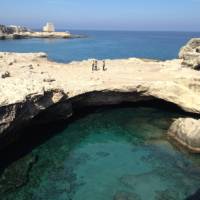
pixel 195 196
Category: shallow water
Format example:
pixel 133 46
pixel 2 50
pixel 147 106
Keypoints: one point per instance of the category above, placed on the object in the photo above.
pixel 114 154
pixel 105 45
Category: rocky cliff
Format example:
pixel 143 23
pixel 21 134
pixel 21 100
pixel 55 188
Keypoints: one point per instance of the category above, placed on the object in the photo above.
pixel 190 54
pixel 31 85
pixel 186 131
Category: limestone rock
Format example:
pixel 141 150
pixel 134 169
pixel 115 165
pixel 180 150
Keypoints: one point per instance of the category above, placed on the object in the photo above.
pixel 39 87
pixel 12 29
pixel 186 131
pixel 191 54
pixel 19 29
pixel 17 116
pixel 6 30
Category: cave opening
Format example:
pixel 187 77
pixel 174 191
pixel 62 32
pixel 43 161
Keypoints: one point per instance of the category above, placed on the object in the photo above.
pixel 124 143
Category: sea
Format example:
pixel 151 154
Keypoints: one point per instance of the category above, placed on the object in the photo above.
pixel 105 45
pixel 108 153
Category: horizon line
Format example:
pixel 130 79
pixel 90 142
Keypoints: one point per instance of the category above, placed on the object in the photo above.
pixel 124 30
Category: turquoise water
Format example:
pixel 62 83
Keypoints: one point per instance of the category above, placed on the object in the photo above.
pixel 109 154
pixel 105 44
pixel 115 154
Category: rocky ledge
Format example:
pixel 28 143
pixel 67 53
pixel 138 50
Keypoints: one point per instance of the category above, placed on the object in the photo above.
pixel 32 86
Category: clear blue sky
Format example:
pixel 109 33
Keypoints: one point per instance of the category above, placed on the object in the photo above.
pixel 104 14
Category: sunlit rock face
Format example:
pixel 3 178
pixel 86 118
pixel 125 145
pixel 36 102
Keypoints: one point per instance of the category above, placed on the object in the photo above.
pixel 187 132
pixel 190 54
pixel 30 84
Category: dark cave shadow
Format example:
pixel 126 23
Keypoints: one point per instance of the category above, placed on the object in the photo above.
pixel 195 196
pixel 31 136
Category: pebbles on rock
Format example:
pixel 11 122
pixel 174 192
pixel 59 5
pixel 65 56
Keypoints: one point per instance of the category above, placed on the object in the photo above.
pixel 5 74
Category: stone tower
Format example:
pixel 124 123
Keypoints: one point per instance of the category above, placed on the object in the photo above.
pixel 49 27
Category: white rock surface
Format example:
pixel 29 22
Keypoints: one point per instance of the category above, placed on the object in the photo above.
pixel 37 84
pixel 190 54
pixel 186 131
pixel 22 35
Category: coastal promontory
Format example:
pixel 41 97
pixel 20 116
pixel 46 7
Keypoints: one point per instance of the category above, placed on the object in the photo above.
pixel 32 85
pixel 19 32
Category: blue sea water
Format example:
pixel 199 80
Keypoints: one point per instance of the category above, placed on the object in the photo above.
pixel 105 45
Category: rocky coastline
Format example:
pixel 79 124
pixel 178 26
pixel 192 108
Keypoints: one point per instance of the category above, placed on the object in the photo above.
pixel 190 54
pixel 14 32
pixel 31 85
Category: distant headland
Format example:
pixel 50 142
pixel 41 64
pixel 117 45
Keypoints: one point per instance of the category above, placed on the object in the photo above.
pixel 20 32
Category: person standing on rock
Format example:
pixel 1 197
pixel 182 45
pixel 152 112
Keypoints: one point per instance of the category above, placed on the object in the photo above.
pixel 93 65
pixel 104 65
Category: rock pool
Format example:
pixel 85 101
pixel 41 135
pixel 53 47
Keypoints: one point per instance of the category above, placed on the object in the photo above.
pixel 109 154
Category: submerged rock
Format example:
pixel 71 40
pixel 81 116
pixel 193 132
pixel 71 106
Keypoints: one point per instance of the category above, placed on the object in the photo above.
pixel 186 131
pixel 17 174
pixel 167 195
pixel 126 196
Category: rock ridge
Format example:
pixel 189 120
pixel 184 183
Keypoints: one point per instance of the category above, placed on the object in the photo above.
pixel 39 87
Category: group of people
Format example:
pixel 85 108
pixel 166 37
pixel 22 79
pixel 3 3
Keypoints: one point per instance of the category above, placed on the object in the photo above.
pixel 95 65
